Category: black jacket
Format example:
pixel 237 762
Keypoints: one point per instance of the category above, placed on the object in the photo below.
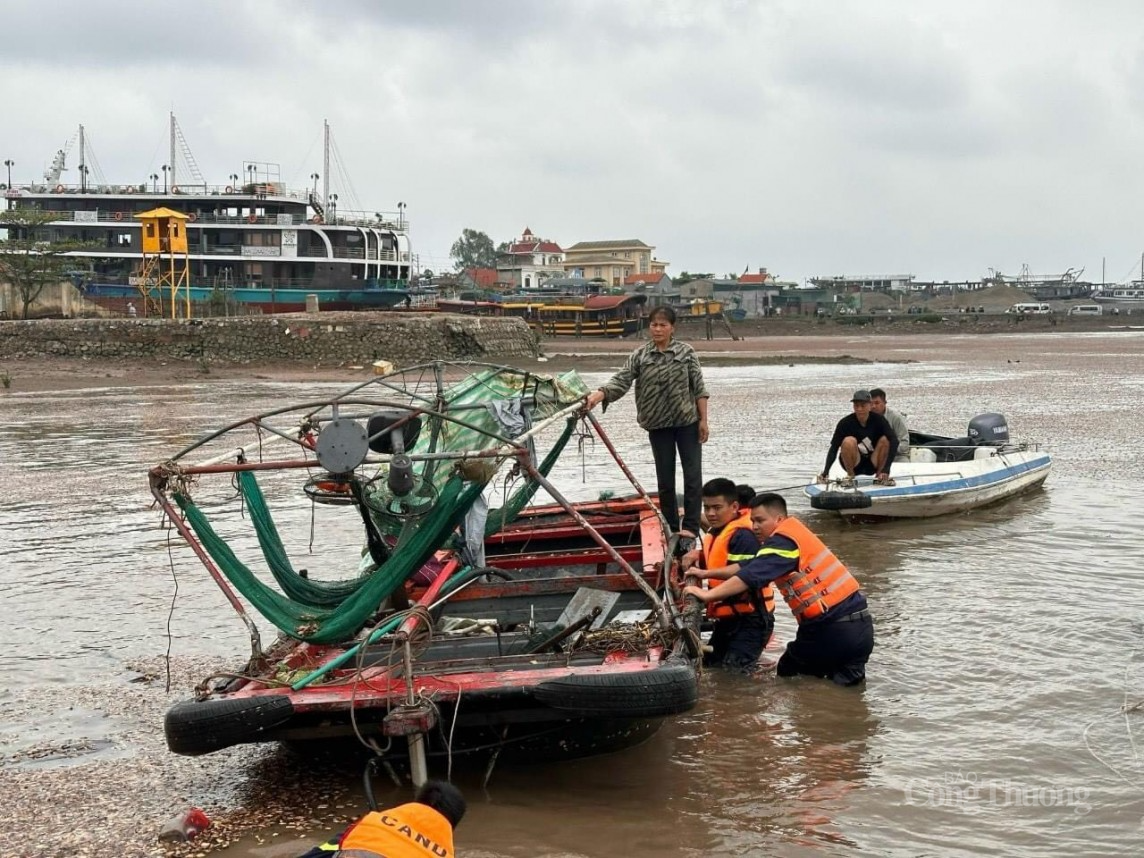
pixel 875 429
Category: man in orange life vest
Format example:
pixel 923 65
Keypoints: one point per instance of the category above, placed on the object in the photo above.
pixel 744 623
pixel 835 630
pixel 421 829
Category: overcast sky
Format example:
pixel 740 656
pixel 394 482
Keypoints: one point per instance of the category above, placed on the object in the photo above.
pixel 934 138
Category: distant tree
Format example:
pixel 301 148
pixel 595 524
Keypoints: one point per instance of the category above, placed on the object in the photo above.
pixel 503 247
pixel 687 277
pixel 28 261
pixel 474 249
pixel 427 273
pixel 730 276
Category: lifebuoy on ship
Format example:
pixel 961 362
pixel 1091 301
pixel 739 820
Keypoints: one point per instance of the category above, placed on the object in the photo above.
pixel 59 189
pixel 230 189
pixel 119 215
pixel 192 217
pixel 252 219
pixel 175 189
pixel 316 219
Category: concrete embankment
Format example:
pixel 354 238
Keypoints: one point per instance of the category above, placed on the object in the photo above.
pixel 331 339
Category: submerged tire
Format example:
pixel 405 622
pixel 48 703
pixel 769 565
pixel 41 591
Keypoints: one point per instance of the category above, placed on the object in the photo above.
pixel 667 690
pixel 841 500
pixel 196 727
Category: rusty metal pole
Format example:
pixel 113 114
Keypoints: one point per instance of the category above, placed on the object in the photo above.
pixel 418 767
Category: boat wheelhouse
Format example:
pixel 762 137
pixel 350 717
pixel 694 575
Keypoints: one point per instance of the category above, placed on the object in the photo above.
pixel 1132 293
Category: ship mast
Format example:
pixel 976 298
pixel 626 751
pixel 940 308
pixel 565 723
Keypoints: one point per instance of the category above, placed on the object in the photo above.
pixel 326 166
pixel 171 163
pixel 82 168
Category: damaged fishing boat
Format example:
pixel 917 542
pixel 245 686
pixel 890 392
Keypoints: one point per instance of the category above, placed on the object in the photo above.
pixel 538 632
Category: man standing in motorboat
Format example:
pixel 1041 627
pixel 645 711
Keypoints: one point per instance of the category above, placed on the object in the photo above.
pixel 896 420
pixel 863 442
pixel 835 630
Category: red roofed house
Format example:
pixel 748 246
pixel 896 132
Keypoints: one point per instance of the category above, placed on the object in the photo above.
pixel 478 278
pixel 760 278
pixel 528 260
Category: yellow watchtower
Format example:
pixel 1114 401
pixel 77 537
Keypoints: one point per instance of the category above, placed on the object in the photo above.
pixel 164 279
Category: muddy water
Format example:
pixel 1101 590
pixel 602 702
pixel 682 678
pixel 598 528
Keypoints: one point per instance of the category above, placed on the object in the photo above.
pixel 1008 639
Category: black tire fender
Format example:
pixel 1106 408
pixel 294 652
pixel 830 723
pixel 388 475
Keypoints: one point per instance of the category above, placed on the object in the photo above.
pixel 670 689
pixel 195 727
pixel 841 500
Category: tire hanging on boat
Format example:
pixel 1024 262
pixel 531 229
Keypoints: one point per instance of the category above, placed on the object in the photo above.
pixel 841 500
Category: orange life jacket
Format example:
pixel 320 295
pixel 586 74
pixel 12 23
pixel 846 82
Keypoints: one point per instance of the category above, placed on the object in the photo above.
pixel 407 831
pixel 821 581
pixel 716 556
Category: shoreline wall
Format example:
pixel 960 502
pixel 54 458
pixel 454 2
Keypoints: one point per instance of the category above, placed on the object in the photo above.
pixel 329 339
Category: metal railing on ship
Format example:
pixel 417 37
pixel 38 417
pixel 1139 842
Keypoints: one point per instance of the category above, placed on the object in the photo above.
pixel 127 218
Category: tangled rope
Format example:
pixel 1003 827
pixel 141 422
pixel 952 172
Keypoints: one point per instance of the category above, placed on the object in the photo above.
pixel 634 638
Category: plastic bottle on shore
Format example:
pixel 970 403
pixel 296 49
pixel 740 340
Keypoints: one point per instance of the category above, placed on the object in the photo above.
pixel 185 826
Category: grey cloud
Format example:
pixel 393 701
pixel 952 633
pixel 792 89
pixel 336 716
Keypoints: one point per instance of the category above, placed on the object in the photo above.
pixel 805 136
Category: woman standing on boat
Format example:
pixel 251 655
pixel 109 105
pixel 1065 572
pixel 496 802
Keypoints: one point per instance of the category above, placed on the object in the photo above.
pixel 671 404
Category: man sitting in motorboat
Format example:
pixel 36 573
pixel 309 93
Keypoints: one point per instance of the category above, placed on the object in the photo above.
pixel 896 420
pixel 863 442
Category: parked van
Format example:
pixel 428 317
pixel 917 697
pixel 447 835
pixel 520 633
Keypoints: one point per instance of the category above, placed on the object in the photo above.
pixel 1030 309
pixel 1086 310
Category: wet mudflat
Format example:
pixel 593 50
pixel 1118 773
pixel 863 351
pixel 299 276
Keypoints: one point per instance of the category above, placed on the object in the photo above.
pixel 1009 639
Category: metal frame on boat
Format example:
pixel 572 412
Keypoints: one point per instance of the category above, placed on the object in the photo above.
pixel 566 639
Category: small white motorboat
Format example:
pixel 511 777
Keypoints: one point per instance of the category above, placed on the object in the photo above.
pixel 943 475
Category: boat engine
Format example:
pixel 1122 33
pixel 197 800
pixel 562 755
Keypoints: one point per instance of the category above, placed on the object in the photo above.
pixel 989 428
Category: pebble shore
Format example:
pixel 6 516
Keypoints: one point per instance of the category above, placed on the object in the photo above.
pixel 96 798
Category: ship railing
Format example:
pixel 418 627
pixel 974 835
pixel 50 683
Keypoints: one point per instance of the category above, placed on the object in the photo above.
pixel 379 220
pixel 319 252
pixel 127 217
pixel 263 283
pixel 258 190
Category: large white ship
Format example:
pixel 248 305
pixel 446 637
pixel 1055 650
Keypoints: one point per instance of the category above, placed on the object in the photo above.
pixel 251 239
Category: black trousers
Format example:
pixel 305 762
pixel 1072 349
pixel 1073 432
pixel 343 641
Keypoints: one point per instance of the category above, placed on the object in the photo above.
pixel 836 650
pixel 664 443
pixel 737 642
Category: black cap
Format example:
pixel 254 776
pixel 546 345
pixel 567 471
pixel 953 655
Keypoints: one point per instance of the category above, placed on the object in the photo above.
pixel 861 396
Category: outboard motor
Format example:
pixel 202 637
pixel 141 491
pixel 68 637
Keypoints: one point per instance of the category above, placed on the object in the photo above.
pixel 992 429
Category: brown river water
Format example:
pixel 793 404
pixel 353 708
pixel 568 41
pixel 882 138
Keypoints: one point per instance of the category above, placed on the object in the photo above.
pixel 1009 641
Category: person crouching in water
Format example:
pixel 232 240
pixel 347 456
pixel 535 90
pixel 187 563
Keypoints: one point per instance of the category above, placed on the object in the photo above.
pixel 423 828
pixel 742 623
pixel 835 630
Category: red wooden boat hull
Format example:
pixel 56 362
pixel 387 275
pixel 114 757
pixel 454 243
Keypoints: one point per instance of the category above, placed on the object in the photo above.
pixel 487 691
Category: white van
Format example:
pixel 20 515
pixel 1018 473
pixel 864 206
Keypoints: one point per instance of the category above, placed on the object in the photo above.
pixel 1030 309
pixel 1086 310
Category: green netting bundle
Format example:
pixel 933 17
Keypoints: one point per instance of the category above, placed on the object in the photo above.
pixel 343 622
